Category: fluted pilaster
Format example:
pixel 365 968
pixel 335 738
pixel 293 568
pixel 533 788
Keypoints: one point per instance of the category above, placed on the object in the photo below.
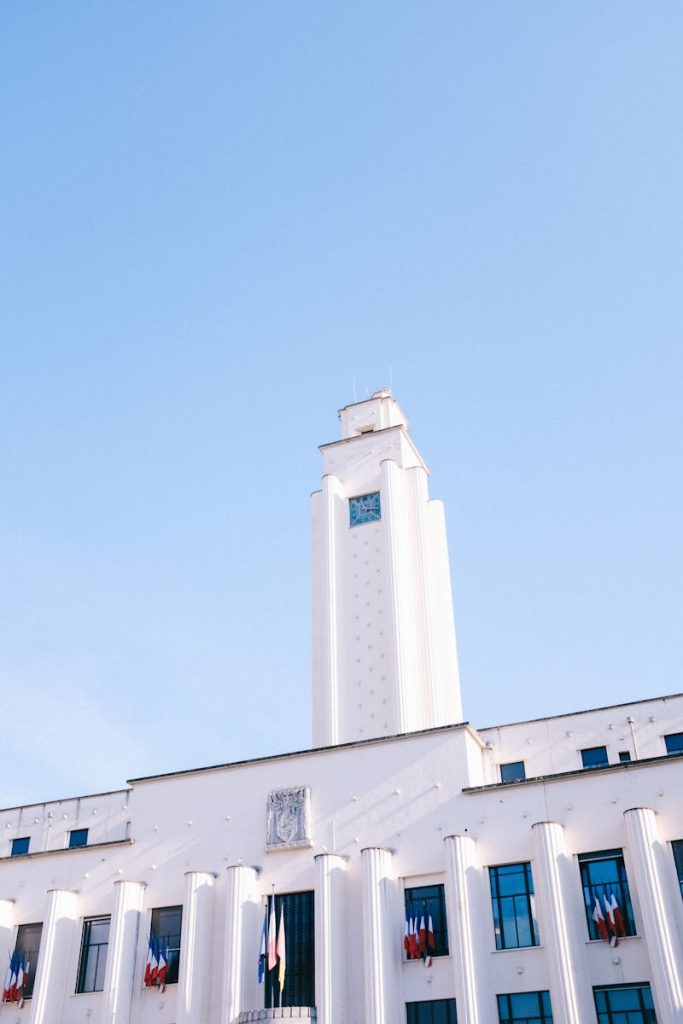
pixel 123 940
pixel 565 989
pixel 381 954
pixel 195 944
pixel 330 952
pixel 242 910
pixel 54 960
pixel 461 866
pixel 666 956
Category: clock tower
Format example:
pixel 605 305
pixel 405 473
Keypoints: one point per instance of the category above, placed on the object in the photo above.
pixel 384 653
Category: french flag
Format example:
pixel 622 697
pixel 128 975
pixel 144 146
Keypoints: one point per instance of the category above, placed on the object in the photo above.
pixel 430 943
pixel 162 969
pixel 600 922
pixel 152 964
pixel 615 918
pixel 8 980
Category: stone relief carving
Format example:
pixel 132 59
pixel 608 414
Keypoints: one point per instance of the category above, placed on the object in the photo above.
pixel 288 818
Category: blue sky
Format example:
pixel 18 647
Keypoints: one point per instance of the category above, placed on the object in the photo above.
pixel 218 221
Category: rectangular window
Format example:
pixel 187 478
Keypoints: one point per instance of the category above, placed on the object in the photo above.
pixel 429 901
pixel 21 973
pixel 674 743
pixel 677 847
pixel 594 757
pixel 512 896
pixel 299 987
pixel 603 877
pixel 433 1011
pixel 20 846
pixel 78 837
pixel 513 771
pixel 624 755
pixel 525 1008
pixel 165 928
pixel 93 960
pixel 625 1004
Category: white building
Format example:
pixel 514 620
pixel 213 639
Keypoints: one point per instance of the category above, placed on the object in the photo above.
pixel 507 837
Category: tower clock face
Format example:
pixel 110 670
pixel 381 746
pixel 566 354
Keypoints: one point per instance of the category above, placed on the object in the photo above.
pixel 364 509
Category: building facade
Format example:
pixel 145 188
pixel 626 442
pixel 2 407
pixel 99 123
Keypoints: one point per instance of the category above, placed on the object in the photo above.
pixel 408 869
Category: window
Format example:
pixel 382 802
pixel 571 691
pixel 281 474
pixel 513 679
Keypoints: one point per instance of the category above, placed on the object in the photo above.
pixel 603 877
pixel 594 757
pixel 299 987
pixel 435 1011
pixel 624 755
pixel 625 1003
pixel 20 846
pixel 513 771
pixel 93 955
pixel 21 973
pixel 677 847
pixel 165 928
pixel 674 743
pixel 78 837
pixel 525 1008
pixel 512 895
pixel 429 901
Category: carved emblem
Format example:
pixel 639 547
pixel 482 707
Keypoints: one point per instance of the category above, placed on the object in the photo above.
pixel 288 819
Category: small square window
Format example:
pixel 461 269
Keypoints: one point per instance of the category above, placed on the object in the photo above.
pixel 20 846
pixel 624 755
pixel 513 771
pixel 78 837
pixel 594 757
pixel 674 743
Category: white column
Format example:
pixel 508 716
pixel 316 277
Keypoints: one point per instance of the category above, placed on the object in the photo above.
pixel 663 944
pixel 54 960
pixel 565 989
pixel 407 700
pixel 381 948
pixel 119 977
pixel 195 949
pixel 330 945
pixel 241 925
pixel 461 877
pixel 326 697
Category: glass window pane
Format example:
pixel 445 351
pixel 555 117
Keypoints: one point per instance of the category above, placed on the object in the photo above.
pixel 594 757
pixel 78 837
pixel 93 955
pixel 674 743
pixel 429 901
pixel 514 771
pixel 20 846
pixel 512 896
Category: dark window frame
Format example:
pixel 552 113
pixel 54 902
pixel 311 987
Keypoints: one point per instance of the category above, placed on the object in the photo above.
pixel 431 1011
pixel 299 987
pixel 508 768
pixel 507 1014
pixel 74 838
pixel 624 756
pixel 27 942
pixel 594 887
pixel 608 1014
pixel 677 744
pixel 419 900
pixel 16 850
pixel 169 940
pixel 522 903
pixel 101 950
pixel 590 759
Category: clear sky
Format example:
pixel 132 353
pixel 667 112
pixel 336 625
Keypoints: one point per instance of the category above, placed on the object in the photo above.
pixel 221 220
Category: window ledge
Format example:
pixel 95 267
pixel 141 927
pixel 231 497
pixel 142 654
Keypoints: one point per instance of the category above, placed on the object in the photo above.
pixel 516 949
pixel 67 849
